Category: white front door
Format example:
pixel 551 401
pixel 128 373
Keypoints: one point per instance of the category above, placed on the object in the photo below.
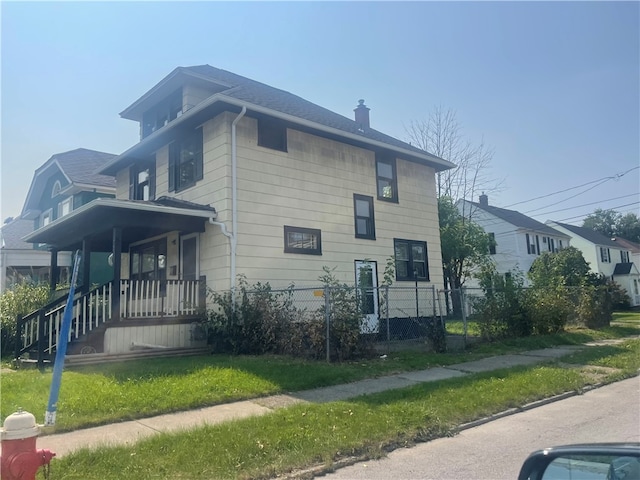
pixel 367 294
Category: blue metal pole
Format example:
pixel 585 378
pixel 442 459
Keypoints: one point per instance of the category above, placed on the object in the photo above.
pixel 61 349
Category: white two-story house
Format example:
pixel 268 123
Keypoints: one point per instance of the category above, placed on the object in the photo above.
pixel 606 256
pixel 232 176
pixel 518 239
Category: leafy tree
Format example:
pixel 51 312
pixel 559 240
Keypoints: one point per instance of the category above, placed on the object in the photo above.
pixel 465 246
pixel 566 268
pixel 614 224
pixel 628 227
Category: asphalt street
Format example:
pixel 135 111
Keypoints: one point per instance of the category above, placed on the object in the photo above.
pixel 496 450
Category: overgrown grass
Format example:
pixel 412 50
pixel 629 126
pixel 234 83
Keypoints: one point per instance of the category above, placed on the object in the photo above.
pixel 106 393
pixel 307 435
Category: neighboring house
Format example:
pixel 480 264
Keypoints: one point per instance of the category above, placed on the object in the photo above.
pixel 607 256
pixel 518 239
pixel 20 262
pixel 232 176
pixel 62 184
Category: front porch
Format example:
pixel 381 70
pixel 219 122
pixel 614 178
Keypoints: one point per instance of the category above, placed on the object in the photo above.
pixel 152 314
pixel 156 295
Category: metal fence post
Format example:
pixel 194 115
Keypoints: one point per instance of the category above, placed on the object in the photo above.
pixel 327 318
pixel 463 308
pixel 386 288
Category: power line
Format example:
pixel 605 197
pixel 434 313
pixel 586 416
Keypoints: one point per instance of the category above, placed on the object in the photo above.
pixel 603 179
pixel 619 206
pixel 587 204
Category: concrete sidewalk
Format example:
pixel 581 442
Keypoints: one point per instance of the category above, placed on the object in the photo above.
pixel 123 433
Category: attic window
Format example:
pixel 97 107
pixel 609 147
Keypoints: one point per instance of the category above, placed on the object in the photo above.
pixel 166 111
pixel 387 180
pixel 56 189
pixel 272 134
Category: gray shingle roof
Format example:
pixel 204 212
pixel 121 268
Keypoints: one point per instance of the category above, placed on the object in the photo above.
pixel 282 101
pixel 518 219
pixel 590 235
pixel 13 232
pixel 80 166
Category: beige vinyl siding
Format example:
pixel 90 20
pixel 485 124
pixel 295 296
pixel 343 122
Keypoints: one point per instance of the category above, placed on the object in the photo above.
pixel 310 186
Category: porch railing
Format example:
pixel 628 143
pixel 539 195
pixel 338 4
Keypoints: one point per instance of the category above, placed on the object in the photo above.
pixel 41 329
pixel 161 298
pixel 138 299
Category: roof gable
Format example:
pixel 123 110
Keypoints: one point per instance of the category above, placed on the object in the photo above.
pixel 78 166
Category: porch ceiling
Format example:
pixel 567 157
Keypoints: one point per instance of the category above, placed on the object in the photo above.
pixel 96 220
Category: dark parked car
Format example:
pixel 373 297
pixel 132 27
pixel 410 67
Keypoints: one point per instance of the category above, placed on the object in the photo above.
pixel 603 461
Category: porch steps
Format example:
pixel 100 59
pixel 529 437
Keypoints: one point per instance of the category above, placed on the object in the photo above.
pixel 97 358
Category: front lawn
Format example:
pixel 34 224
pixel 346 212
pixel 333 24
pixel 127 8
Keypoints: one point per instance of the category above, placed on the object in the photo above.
pixel 95 395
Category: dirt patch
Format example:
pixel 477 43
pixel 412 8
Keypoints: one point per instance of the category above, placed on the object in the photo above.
pixel 593 373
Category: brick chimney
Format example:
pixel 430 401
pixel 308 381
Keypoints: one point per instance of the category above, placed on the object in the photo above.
pixel 362 115
pixel 484 200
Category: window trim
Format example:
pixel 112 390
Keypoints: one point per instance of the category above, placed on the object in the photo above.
pixel 56 189
pixel 605 258
pixel 304 251
pixel 134 184
pixel 391 161
pixel 176 160
pixel 69 201
pixel 371 221
pixel 410 268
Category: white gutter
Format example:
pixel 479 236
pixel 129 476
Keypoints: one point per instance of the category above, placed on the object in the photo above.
pixel 233 236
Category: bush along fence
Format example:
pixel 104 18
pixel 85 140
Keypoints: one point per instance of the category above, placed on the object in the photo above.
pixel 515 311
pixel 335 321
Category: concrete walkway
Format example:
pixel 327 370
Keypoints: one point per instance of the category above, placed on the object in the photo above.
pixel 123 433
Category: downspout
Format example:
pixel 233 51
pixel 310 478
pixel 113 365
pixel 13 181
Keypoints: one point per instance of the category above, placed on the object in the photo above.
pixel 232 236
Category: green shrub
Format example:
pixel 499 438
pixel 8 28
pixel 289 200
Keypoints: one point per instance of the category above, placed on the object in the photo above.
pixel 549 309
pixel 266 321
pixel 502 311
pixel 20 299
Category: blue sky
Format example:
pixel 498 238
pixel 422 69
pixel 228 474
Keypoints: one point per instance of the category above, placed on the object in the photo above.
pixel 553 88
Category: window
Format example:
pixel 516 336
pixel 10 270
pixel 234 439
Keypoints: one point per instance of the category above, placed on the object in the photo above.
pixel 492 243
pixel 635 287
pixel 45 219
pixel 307 241
pixel 605 255
pixel 364 220
pixel 559 244
pixel 533 244
pixel 149 261
pixel 552 245
pixel 411 260
pixel 624 256
pixel 56 189
pixel 387 182
pixel 163 113
pixel 65 207
pixel 272 134
pixel 185 161
pixel 142 181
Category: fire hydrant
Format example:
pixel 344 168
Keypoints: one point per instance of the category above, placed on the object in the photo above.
pixel 20 459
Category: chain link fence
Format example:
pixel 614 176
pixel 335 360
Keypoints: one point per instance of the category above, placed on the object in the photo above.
pixel 342 322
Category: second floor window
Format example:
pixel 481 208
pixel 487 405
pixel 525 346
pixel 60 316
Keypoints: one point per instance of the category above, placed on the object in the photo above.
pixel 624 256
pixel 65 207
pixel 185 161
pixel 605 255
pixel 142 182
pixel 387 181
pixel 364 221
pixel 492 243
